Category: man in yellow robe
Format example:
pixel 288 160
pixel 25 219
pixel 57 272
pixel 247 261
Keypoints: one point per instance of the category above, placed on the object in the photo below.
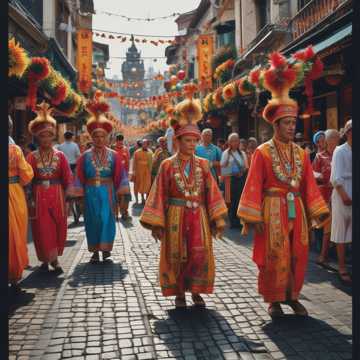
pixel 142 171
pixel 20 174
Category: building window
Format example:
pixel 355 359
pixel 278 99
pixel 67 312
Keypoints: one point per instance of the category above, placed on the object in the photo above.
pixel 263 13
pixel 191 74
pixel 35 8
pixel 226 39
pixel 62 16
pixel 302 3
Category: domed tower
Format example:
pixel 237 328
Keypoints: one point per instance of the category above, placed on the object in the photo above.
pixel 133 67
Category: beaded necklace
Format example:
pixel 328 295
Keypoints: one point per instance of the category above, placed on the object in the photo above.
pixel 189 186
pixel 288 171
pixel 46 161
pixel 99 160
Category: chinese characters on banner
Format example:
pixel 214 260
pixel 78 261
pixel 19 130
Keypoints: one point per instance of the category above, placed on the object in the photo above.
pixel 84 59
pixel 205 52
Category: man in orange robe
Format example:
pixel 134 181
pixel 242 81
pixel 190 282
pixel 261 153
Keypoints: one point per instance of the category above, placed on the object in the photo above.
pixel 184 210
pixel 20 174
pixel 142 171
pixel 280 200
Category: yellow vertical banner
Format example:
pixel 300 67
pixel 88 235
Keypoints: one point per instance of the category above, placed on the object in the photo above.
pixel 84 59
pixel 205 52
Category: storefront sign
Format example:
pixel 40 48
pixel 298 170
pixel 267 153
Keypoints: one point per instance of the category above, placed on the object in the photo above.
pixel 204 53
pixel 84 59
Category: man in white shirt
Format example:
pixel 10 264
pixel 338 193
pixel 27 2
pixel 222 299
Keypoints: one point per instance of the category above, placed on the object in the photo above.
pixel 170 132
pixel 72 153
pixel 70 149
pixel 341 200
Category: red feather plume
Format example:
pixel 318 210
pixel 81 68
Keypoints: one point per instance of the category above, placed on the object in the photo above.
pixel 316 69
pixel 277 60
pixel 254 76
pixel 305 55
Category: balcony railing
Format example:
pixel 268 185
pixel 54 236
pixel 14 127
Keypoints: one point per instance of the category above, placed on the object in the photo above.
pixel 312 14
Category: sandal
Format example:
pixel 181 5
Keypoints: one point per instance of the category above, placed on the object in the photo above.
pixel 275 310
pixel 298 308
pixel 198 300
pixel 95 258
pixel 180 302
pixel 345 278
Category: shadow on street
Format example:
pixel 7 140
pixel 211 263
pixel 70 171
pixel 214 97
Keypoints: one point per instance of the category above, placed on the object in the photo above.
pixel 204 333
pixel 36 280
pixel 42 280
pixel 137 209
pixel 312 338
pixel 103 273
pixel 18 301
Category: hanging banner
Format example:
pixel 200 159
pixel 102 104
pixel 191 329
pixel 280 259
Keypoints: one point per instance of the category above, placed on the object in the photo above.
pixel 84 59
pixel 205 52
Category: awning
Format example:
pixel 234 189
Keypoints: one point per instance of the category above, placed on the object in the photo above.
pixel 333 39
pixel 60 62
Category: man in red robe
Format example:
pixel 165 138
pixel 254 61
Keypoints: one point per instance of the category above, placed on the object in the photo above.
pixel 281 199
pixel 52 178
pixel 184 210
pixel 124 197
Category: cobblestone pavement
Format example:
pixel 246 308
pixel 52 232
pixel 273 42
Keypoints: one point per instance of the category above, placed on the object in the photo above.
pixel 114 310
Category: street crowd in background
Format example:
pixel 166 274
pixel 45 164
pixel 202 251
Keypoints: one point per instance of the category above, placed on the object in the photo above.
pixel 93 181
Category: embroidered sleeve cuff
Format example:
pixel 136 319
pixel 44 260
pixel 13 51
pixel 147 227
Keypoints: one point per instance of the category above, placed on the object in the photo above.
pixel 249 215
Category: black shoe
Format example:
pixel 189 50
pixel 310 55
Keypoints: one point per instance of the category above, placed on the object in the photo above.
pixel 58 270
pixel 15 289
pixel 95 258
pixel 44 267
pixel 106 255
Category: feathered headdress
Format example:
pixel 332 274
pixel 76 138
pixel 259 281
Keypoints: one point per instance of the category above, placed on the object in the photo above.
pixel 97 107
pixel 43 121
pixel 279 78
pixel 188 113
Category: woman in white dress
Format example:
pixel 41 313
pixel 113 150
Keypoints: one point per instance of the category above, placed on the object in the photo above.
pixel 341 200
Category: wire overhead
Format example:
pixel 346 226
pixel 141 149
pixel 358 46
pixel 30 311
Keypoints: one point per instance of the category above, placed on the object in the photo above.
pixel 129 18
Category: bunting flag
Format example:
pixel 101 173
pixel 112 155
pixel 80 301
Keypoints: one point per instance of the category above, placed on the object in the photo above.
pixel 143 40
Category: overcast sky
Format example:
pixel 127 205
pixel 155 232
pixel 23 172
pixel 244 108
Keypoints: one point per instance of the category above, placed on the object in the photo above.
pixel 138 8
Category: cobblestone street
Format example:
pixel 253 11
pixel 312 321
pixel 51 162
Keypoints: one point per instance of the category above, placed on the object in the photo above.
pixel 115 310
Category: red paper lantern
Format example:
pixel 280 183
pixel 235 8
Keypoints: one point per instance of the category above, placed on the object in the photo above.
pixel 181 75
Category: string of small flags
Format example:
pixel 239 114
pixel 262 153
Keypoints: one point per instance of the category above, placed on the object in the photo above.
pixel 138 40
